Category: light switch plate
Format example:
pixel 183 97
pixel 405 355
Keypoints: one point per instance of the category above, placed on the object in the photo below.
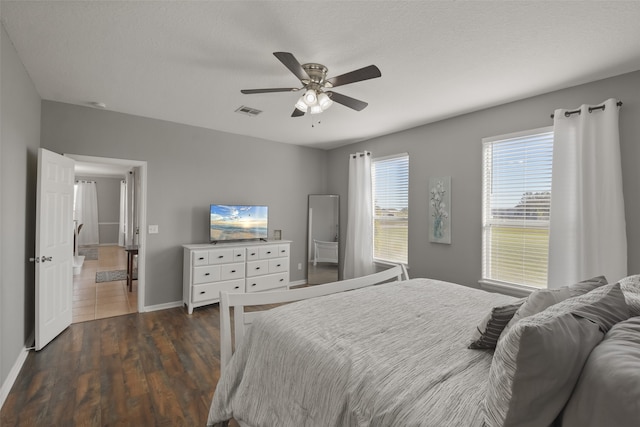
pixel 153 229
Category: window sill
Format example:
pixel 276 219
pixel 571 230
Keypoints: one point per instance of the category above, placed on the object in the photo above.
pixel 505 288
pixel 388 264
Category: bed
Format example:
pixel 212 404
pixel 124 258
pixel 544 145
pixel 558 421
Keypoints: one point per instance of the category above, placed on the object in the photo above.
pixel 397 354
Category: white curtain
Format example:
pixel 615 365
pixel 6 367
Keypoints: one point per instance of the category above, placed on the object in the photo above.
pixel 358 257
pixel 86 205
pixel 122 224
pixel 587 224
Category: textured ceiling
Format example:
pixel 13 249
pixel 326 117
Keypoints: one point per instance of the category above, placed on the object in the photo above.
pixel 187 61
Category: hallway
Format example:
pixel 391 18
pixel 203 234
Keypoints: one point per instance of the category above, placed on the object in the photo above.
pixel 93 300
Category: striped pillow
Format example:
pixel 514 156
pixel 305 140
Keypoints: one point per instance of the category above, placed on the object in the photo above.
pixel 539 359
pixel 631 289
pixel 489 330
pixel 545 298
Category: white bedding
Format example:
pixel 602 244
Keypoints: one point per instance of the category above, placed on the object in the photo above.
pixel 388 355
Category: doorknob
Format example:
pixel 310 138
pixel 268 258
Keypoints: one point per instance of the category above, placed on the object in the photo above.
pixel 36 260
pixel 46 258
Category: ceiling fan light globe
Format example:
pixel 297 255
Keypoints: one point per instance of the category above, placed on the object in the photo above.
pixel 310 97
pixel 316 109
pixel 324 101
pixel 301 105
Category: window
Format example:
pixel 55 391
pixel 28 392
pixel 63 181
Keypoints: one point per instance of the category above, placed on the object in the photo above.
pixel 516 196
pixel 390 178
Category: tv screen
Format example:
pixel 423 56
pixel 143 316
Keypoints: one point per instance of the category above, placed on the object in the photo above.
pixel 238 222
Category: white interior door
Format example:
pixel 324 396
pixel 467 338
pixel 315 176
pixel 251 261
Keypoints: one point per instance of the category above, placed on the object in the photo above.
pixel 54 246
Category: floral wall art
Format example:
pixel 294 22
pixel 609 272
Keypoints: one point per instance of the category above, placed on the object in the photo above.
pixel 440 210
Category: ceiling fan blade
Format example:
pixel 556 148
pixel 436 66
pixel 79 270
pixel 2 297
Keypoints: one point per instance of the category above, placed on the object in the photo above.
pixel 297 113
pixel 278 89
pixel 347 101
pixel 292 64
pixel 366 73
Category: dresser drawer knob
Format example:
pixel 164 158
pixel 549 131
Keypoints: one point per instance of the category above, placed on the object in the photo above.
pixel 268 252
pixel 238 254
pixel 202 292
pixel 253 284
pixel 279 265
pixel 253 253
pixel 282 280
pixel 257 268
pixel 201 258
pixel 237 287
pixel 220 256
pixel 233 271
pixel 207 274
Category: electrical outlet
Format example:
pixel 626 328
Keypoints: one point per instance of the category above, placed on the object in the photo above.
pixel 153 229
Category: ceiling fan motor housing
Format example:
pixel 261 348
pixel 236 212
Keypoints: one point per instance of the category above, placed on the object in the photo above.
pixel 317 76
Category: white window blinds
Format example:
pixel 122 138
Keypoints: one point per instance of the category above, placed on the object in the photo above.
pixel 390 176
pixel 516 186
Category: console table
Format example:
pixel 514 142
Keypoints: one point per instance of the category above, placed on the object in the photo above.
pixel 131 251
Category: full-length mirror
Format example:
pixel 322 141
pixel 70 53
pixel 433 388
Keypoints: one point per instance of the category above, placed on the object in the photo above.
pixel 324 229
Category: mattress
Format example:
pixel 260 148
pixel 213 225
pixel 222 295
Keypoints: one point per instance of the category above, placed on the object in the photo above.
pixel 388 355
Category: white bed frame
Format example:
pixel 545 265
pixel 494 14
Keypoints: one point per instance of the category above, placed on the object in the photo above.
pixel 243 319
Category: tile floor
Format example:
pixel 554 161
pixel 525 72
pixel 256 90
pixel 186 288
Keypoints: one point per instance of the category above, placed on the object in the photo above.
pixel 93 300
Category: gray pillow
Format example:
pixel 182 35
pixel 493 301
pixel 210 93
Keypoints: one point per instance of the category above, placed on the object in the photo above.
pixel 488 331
pixel 608 390
pixel 544 298
pixel 538 360
pixel 631 289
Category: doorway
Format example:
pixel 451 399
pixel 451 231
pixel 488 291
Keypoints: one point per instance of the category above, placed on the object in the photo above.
pixel 100 280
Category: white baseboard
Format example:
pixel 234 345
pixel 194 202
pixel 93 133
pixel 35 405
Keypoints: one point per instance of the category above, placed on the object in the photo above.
pixel 148 308
pixel 13 375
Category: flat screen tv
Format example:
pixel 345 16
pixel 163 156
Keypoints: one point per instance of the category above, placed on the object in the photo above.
pixel 238 222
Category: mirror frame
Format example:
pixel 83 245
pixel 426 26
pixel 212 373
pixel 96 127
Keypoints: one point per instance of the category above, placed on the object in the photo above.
pixel 309 231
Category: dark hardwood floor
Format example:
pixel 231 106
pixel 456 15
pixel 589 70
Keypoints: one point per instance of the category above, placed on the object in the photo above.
pixel 143 369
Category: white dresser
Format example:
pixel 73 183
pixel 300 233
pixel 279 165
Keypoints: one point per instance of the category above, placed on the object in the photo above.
pixel 233 267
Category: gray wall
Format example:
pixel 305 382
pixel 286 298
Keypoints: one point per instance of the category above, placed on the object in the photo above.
pixel 108 195
pixel 19 142
pixel 189 168
pixel 453 148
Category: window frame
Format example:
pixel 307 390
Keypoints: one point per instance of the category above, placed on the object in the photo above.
pixel 490 224
pixel 404 260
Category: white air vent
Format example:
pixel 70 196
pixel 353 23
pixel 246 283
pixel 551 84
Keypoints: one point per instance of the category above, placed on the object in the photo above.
pixel 248 111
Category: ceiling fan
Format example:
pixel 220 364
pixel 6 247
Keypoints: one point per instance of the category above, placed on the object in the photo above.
pixel 313 77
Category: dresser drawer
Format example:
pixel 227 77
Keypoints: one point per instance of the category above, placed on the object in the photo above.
pixel 257 268
pixel 264 283
pixel 283 250
pixel 207 273
pixel 232 271
pixel 200 258
pixel 278 265
pixel 253 253
pixel 221 256
pixel 267 252
pixel 212 290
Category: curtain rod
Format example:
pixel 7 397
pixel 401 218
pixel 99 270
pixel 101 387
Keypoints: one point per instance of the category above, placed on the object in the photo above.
pixel 84 182
pixel 368 153
pixel 591 109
